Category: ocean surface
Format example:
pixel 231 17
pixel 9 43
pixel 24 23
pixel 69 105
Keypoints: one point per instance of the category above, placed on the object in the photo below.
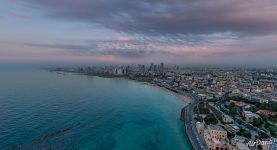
pixel 43 110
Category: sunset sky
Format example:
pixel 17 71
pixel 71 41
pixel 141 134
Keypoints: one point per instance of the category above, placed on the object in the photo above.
pixel 139 31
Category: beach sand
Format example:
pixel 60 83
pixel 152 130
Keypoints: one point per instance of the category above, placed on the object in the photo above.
pixel 186 99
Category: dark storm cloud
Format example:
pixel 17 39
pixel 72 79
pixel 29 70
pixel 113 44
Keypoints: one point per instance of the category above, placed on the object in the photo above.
pixel 247 17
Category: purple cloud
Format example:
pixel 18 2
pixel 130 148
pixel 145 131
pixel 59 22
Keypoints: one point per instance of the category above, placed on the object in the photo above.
pixel 168 16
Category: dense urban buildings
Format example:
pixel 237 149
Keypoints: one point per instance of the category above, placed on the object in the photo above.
pixel 229 107
pixel 234 105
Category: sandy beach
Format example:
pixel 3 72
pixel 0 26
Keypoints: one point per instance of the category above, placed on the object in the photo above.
pixel 182 97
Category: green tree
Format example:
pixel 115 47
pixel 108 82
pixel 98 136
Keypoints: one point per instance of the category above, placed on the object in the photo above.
pixel 210 119
pixel 263 135
pixel 265 118
pixel 257 122
pixel 246 134
pixel 253 109
pixel 232 104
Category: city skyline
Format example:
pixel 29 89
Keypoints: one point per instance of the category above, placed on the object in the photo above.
pixel 226 32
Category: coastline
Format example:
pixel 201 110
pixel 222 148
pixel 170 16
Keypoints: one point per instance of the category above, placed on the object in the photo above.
pixel 184 115
pixel 142 120
pixel 184 98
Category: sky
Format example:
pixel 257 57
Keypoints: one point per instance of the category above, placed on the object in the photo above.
pixel 225 32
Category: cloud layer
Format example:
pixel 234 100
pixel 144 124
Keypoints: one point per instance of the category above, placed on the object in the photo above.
pixel 218 31
pixel 168 16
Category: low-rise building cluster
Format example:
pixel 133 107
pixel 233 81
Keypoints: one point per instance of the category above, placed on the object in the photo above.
pixel 235 105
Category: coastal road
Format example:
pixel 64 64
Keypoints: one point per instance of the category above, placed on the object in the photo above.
pixel 196 140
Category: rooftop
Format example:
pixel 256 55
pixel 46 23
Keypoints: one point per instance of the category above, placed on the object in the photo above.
pixel 215 127
pixel 250 113
pixel 234 126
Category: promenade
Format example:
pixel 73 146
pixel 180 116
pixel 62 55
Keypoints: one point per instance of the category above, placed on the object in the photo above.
pixel 187 116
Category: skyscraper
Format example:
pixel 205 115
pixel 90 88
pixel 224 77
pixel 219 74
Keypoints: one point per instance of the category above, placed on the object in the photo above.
pixel 161 67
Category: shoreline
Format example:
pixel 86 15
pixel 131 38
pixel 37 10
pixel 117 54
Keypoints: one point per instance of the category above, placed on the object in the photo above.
pixel 180 96
pixel 183 114
pixel 184 111
pixel 184 98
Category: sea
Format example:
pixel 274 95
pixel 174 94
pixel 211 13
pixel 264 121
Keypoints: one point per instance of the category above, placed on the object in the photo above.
pixel 66 111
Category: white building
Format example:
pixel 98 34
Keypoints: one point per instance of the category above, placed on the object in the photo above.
pixel 249 116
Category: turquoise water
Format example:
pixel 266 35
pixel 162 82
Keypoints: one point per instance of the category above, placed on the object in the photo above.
pixel 43 110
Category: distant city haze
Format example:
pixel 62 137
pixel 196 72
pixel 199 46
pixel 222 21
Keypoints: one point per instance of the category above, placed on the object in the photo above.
pixel 186 32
